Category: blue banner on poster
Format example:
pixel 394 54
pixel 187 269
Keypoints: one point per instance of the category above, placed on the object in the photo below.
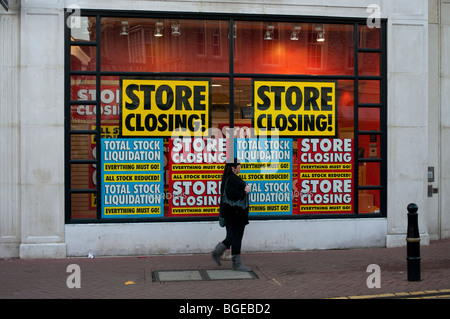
pixel 132 178
pixel 266 165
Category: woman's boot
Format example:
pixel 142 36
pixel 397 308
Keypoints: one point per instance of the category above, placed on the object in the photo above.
pixel 217 252
pixel 237 264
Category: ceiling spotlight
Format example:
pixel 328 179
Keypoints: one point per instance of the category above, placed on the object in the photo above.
pixel 158 31
pixel 321 36
pixel 176 29
pixel 269 32
pixel 268 35
pixel 124 30
pixel 320 33
pixel 295 32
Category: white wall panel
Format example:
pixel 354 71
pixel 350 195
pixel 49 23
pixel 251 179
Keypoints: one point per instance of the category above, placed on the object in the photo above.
pixel 9 135
pixel 42 131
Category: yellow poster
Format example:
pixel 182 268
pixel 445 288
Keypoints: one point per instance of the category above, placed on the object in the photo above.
pixel 293 108
pixel 161 107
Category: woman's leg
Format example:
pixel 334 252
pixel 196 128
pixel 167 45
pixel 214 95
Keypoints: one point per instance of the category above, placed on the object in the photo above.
pixel 222 246
pixel 237 232
pixel 229 236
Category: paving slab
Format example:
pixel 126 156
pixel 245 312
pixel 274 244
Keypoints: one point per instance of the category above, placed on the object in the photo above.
pixel 178 275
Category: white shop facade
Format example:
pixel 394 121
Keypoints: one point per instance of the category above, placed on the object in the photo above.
pixel 121 117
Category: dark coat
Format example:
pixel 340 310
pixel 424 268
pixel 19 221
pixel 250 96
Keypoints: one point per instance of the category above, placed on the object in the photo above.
pixel 235 188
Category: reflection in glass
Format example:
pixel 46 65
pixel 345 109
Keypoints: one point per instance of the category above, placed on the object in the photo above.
pixel 80 146
pixel 84 205
pixel 82 116
pixel 83 29
pixel 164 45
pixel 220 107
pixel 371 174
pixel 369 146
pixel 369 63
pixel 369 119
pixel 368 38
pixel 369 91
pixel 294 48
pixel 369 201
pixel 80 176
pixel 83 58
pixel 346 109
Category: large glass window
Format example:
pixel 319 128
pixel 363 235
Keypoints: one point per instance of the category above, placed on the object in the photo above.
pixel 164 45
pixel 294 48
pixel 155 103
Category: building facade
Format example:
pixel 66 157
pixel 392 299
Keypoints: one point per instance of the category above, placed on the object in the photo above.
pixel 119 117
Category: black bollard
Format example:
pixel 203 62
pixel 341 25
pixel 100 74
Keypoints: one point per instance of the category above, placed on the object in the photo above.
pixel 413 244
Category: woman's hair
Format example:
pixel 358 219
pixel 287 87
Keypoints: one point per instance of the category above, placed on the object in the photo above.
pixel 228 171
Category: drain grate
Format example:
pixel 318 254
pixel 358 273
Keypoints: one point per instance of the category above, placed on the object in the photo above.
pixel 201 274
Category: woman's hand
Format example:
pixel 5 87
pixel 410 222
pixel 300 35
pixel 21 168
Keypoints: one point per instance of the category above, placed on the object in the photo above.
pixel 247 189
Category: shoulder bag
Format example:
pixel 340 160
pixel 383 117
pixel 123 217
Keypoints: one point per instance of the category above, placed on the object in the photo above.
pixel 241 203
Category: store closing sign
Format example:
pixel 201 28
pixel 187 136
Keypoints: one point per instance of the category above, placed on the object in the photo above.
pixel 160 107
pixel 325 173
pixel 266 166
pixel 295 108
pixel 195 168
pixel 132 178
pixel 109 102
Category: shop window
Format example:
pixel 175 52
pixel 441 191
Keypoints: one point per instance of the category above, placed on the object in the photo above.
pixel 369 63
pixel 132 81
pixel 264 47
pixel 163 45
pixel 369 38
pixel 201 41
pixel 216 41
pixel 315 49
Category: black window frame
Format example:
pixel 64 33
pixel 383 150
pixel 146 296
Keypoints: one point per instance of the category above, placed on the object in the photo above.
pixel 231 75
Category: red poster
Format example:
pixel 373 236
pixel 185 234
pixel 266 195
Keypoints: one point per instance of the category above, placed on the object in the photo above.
pixel 195 172
pixel 325 176
pixel 109 97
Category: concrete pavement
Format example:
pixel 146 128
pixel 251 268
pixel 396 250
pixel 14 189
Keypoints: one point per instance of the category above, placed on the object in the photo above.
pixel 278 275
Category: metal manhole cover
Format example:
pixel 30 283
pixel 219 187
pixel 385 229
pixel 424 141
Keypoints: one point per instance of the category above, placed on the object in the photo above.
pixel 201 274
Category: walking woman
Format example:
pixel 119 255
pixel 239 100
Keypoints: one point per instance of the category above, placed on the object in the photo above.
pixel 235 218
